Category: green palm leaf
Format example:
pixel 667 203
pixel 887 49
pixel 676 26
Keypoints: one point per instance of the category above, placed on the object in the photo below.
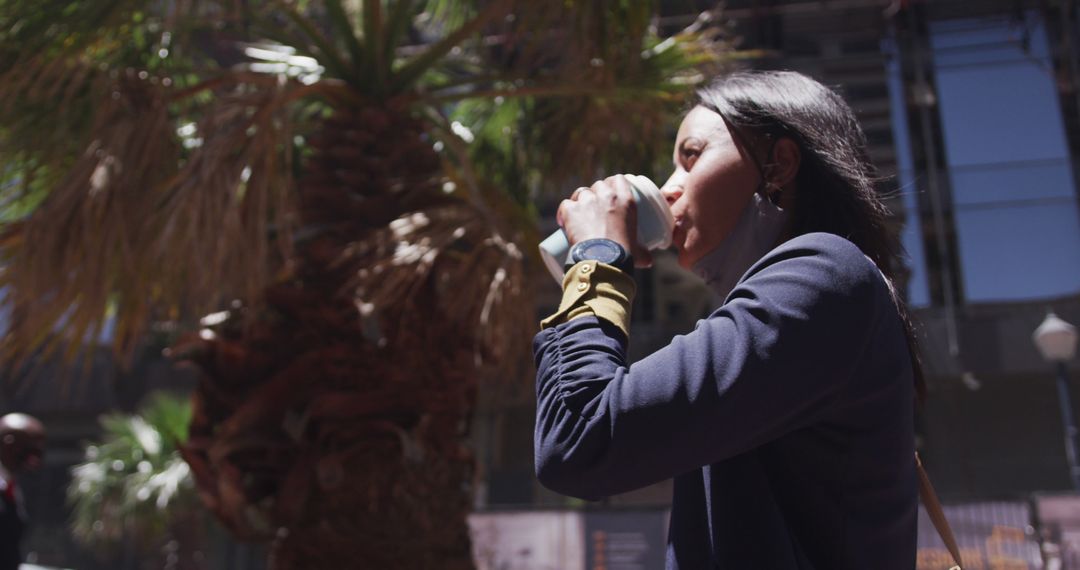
pixel 134 477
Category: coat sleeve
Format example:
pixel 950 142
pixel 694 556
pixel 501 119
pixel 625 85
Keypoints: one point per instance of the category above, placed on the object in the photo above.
pixel 771 360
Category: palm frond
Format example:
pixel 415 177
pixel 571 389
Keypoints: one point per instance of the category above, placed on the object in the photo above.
pixel 603 102
pixel 57 58
pixel 141 223
pixel 398 22
pixel 375 64
pixel 317 44
pixel 231 194
pixel 646 80
pixel 343 25
pixel 410 71
pixel 81 243
pixel 134 478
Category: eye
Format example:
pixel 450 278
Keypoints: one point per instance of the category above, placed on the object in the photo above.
pixel 688 155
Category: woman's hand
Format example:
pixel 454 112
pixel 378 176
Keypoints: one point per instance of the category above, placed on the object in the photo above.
pixel 604 210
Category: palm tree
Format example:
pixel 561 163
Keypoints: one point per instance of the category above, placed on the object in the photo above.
pixel 360 174
pixel 134 487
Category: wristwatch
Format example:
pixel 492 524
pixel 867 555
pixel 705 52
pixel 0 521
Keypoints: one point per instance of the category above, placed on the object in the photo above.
pixel 603 250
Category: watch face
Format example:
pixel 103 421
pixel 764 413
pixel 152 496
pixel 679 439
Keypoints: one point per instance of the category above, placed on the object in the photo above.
pixel 602 250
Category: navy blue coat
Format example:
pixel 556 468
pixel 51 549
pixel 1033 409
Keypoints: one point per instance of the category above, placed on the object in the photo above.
pixel 785 418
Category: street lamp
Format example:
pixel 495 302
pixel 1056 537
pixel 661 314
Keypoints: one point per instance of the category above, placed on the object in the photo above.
pixel 1056 341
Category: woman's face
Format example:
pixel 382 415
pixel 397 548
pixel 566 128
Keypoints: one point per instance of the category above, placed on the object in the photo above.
pixel 713 181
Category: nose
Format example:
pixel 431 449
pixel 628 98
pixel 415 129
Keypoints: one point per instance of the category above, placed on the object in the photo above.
pixel 672 189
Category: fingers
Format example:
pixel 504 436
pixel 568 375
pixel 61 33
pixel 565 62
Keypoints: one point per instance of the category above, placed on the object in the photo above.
pixel 606 209
pixel 613 186
pixel 621 186
pixel 567 205
pixel 614 193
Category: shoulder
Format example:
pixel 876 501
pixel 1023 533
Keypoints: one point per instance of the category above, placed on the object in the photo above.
pixel 824 251
pixel 824 262
pixel 829 247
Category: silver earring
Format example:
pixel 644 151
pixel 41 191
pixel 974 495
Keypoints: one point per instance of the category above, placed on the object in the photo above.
pixel 773 192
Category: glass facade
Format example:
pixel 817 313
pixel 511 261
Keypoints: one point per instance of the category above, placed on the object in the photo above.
pixel 1013 193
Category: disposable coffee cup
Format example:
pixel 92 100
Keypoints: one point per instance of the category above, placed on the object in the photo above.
pixel 654 226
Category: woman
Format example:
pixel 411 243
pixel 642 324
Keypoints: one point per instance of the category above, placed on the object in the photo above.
pixel 786 416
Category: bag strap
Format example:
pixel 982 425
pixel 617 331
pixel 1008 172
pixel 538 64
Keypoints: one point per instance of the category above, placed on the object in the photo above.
pixel 937 515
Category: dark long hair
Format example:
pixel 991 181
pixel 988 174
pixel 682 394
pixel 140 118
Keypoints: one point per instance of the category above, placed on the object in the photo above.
pixel 835 180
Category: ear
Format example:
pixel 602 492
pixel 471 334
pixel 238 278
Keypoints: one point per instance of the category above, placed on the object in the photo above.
pixel 784 162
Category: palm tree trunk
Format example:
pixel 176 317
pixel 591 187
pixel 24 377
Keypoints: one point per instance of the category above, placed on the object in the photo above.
pixel 332 427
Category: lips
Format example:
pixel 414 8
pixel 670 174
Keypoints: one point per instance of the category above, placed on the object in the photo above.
pixel 678 235
pixel 679 229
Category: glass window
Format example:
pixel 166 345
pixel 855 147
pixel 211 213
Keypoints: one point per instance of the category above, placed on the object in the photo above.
pixel 1017 220
pixel 1024 251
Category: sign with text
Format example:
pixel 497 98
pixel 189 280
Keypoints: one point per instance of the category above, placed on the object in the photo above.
pixel 625 540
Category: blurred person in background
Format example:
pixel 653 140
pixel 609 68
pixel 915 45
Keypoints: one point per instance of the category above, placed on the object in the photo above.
pixel 786 417
pixel 22 442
